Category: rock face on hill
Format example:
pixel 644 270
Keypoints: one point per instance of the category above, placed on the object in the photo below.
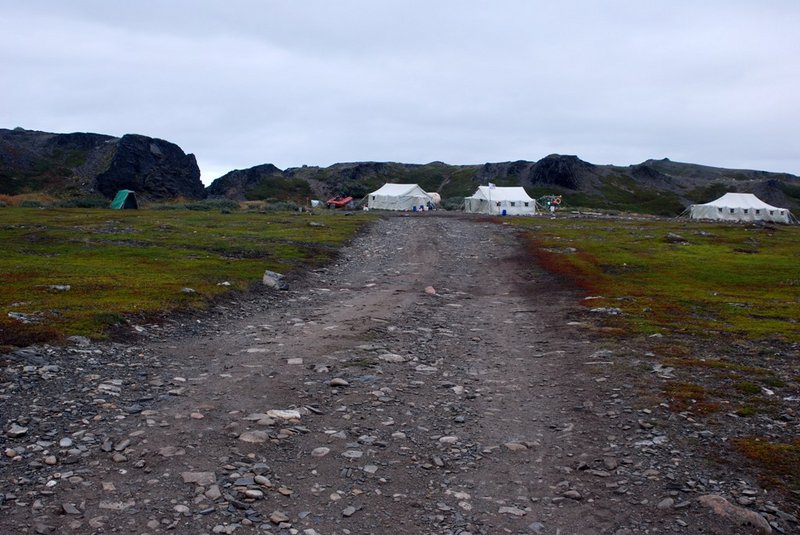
pixel 239 182
pixel 85 164
pixel 654 186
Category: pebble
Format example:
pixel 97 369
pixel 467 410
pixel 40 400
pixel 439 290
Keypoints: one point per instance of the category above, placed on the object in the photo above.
pixel 199 478
pixel 16 431
pixel 278 516
pixel 254 437
pixel 515 511
pixel 348 511
pixel 666 503
pixel 284 414
pixel 338 381
pixel 320 452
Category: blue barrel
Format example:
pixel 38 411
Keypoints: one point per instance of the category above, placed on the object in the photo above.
pixel 504 211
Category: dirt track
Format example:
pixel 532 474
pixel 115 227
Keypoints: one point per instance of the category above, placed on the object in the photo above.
pixel 483 408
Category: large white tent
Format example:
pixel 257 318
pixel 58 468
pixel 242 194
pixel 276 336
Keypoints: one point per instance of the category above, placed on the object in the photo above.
pixel 399 197
pixel 500 201
pixel 739 207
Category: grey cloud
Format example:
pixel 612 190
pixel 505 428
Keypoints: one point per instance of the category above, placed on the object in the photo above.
pixel 246 82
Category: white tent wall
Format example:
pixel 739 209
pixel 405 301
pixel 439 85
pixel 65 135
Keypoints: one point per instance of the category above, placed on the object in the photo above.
pixel 739 207
pixel 402 197
pixel 511 200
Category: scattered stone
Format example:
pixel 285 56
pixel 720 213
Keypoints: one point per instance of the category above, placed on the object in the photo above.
pixel 320 452
pixel 338 381
pixel 70 509
pixel 666 503
pixel 274 280
pixel 287 414
pixel 737 515
pixel 16 431
pixel 348 511
pixel 277 517
pixel 675 238
pixel 199 478
pixel 573 495
pixel 254 437
pixel 516 511
pixel 515 446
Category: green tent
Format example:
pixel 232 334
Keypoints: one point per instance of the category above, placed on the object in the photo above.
pixel 125 199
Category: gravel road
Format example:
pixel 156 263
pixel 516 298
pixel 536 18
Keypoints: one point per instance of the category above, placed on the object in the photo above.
pixel 431 380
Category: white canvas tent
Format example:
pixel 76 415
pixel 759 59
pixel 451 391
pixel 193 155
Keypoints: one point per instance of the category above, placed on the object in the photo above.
pixel 500 201
pixel 739 207
pixel 408 197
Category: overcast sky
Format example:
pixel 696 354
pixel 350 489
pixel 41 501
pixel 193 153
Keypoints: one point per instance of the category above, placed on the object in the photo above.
pixel 292 82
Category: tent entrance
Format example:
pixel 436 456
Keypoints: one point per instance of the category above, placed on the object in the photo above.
pixel 125 200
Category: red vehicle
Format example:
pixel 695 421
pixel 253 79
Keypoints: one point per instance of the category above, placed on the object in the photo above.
pixel 338 202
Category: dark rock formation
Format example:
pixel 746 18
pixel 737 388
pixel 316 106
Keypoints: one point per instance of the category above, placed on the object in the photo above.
pixel 153 167
pixel 558 170
pixel 237 183
pixel 77 164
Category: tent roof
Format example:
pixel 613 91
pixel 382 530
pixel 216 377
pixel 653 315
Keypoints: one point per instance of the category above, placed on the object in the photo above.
pixel 510 193
pixel 398 190
pixel 740 200
pixel 121 197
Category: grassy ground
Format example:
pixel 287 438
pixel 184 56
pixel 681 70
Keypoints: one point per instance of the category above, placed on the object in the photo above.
pixel 120 263
pixel 726 301
pixel 731 280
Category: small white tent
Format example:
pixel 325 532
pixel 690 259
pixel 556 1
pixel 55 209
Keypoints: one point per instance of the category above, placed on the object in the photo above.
pixel 399 197
pixel 500 201
pixel 739 207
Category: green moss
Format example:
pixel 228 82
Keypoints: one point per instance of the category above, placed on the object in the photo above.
pixel 703 287
pixel 138 262
pixel 747 387
pixel 276 187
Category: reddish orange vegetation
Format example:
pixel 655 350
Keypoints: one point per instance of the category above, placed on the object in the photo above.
pixel 780 462
pixel 16 200
pixel 561 265
pixel 690 397
pixel 18 334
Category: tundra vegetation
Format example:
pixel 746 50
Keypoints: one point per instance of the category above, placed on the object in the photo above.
pixel 125 266
pixel 725 300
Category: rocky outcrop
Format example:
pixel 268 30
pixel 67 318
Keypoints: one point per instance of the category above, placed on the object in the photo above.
pixel 237 183
pixel 153 167
pixel 558 170
pixel 87 164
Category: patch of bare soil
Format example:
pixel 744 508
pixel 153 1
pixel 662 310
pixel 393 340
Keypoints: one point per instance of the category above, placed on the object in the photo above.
pixel 432 380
